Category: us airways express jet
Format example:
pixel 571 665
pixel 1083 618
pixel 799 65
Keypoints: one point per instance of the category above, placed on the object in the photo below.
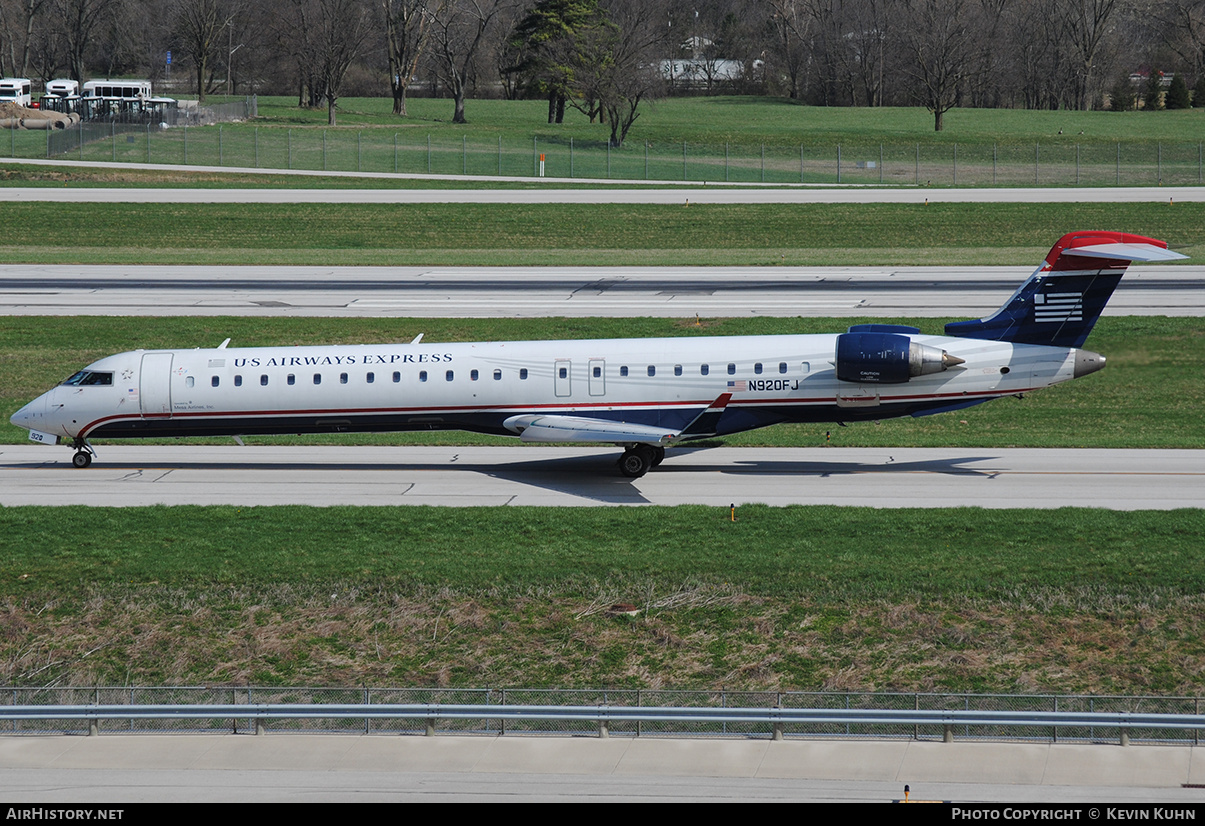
pixel 642 394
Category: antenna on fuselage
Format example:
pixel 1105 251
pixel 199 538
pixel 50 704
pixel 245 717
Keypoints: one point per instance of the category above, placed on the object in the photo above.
pixel 417 338
pixel 222 346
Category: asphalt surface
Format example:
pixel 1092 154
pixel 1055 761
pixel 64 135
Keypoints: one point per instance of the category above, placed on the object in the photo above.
pixel 524 292
pixel 383 768
pixel 136 474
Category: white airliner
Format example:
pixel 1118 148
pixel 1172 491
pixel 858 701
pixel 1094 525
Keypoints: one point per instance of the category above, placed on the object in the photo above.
pixel 641 394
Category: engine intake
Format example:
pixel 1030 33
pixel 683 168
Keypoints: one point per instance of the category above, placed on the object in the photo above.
pixel 887 358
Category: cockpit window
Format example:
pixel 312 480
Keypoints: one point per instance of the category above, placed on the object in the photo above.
pixel 90 377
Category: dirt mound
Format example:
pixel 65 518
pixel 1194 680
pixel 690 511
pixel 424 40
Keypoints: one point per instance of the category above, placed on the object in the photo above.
pixel 15 116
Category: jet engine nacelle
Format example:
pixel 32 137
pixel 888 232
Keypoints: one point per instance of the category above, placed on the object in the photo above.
pixel 887 358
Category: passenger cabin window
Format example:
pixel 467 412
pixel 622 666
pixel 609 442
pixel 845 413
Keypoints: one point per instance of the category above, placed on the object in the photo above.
pixel 263 380
pixel 370 378
pixel 757 368
pixel 623 371
pixel 317 378
pixel 473 375
pixel 189 381
pixel 732 369
pixel 523 373
pixel 422 375
pixel 704 369
pixel 291 380
pixel 652 370
pixel 342 378
pixel 597 372
pixel 238 381
pixel 397 377
pixel 677 369
pixel 782 367
pixel 215 381
pixel 497 375
pixel 448 376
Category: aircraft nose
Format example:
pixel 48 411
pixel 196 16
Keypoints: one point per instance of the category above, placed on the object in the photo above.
pixel 25 416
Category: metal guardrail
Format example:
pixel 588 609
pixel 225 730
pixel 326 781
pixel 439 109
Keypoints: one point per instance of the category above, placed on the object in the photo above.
pixel 604 716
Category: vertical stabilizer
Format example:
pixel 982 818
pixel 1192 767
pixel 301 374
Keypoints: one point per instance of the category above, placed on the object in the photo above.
pixel 1059 304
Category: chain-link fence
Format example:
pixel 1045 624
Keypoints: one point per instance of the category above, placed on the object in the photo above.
pixel 261 696
pixel 207 137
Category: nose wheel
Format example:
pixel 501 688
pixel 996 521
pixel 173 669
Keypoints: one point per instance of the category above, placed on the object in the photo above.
pixel 83 454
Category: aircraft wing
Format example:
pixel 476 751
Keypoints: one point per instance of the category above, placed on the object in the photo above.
pixel 554 428
pixel 539 427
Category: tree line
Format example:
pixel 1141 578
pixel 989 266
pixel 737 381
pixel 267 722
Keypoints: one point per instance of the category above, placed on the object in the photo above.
pixel 605 58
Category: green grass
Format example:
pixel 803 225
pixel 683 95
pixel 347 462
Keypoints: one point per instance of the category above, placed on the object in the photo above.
pixel 798 598
pixel 1148 396
pixel 778 552
pixel 576 235
pixel 733 139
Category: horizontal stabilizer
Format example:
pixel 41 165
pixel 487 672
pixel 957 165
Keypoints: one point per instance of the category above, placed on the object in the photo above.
pixel 1126 252
pixel 535 427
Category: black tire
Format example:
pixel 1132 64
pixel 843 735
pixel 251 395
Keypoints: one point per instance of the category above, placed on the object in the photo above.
pixel 82 459
pixel 636 461
pixel 658 455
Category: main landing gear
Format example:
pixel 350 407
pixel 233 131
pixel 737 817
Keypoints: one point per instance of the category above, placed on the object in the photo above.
pixel 637 460
pixel 83 453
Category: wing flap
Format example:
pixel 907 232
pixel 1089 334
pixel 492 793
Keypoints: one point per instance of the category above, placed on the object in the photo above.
pixel 554 428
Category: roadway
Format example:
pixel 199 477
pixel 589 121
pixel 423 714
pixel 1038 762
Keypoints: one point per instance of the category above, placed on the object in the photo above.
pixel 349 768
pixel 136 474
pixel 527 292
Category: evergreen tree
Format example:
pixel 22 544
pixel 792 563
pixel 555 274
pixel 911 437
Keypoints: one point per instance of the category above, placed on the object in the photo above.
pixel 1177 94
pixel 1153 91
pixel 1121 95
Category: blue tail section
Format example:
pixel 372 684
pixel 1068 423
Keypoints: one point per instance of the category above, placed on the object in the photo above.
pixel 1059 304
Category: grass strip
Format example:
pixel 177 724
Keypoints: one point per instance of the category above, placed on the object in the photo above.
pixel 573 235
pixel 837 553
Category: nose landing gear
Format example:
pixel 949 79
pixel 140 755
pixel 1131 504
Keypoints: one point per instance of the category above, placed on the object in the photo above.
pixel 83 453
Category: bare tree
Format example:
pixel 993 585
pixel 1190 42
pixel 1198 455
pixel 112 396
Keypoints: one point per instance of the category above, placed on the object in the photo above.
pixel 325 38
pixel 17 34
pixel 942 43
pixel 78 20
pixel 792 33
pixel 203 27
pixel 632 76
pixel 407 30
pixel 459 29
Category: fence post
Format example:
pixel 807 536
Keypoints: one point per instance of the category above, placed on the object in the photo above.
pixel 359 148
pixel 1159 162
pixel 646 160
pixel 955 164
pixel 290 147
pixel 535 156
pixel 1117 179
pixel 221 154
pixel 725 162
pixel 395 153
pixel 499 155
pixel 917 181
pixel 257 147
pixel 763 163
pixel 683 162
pixel 608 159
pixel 1077 164
pixel 994 164
pixel 148 143
pixel 838 163
pixel 1036 156
pixel 801 163
pixel 571 157
pixel 464 154
pixel 880 163
pixel 323 150
pixel 113 132
pixel 428 153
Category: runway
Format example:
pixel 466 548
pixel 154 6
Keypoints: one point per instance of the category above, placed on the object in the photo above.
pixel 526 292
pixel 135 475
